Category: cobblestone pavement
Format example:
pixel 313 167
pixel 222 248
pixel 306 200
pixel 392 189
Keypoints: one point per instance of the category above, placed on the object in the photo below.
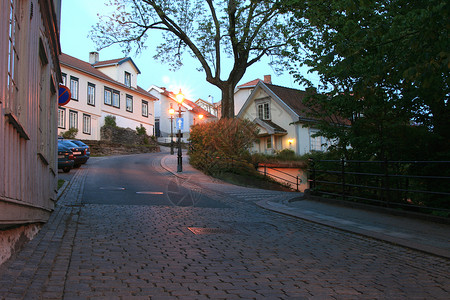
pixel 232 251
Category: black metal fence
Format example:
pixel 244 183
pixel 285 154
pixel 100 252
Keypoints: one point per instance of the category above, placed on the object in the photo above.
pixel 422 186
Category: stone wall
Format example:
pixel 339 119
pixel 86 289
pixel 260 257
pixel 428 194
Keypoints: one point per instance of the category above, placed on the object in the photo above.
pixel 117 141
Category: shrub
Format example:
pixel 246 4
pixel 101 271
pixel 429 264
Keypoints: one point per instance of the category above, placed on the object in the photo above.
pixel 140 130
pixel 70 134
pixel 222 145
pixel 110 121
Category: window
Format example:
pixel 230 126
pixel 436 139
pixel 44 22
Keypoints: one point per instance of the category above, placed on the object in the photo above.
pixel 144 108
pixel 129 104
pixel 74 87
pixel 91 94
pixel 73 119
pixel 269 142
pixel 64 79
pixel 86 124
pixel 61 117
pixel 13 57
pixel 315 142
pixel 263 111
pixel 127 79
pixel 108 96
pixel 116 99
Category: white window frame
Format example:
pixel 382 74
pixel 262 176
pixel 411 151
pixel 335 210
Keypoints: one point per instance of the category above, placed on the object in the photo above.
pixel 127 79
pixel 86 124
pixel 108 96
pixel 315 143
pixel 144 108
pixel 64 79
pixel 91 94
pixel 61 117
pixel 116 98
pixel 263 110
pixel 129 103
pixel 73 119
pixel 74 84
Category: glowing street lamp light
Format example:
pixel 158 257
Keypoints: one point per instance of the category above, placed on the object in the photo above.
pixel 171 112
pixel 180 98
pixel 200 116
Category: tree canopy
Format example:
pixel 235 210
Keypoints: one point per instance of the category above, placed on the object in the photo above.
pixel 384 65
pixel 224 36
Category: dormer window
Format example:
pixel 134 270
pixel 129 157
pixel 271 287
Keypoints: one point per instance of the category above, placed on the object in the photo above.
pixel 127 79
pixel 263 111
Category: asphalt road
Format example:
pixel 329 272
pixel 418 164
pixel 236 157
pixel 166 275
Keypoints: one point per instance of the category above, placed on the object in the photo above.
pixel 142 233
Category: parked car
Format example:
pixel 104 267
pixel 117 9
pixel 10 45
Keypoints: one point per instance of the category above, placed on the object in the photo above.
pixel 81 144
pixel 65 158
pixel 79 153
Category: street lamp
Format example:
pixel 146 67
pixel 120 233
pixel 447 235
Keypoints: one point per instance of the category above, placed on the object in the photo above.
pixel 180 98
pixel 171 112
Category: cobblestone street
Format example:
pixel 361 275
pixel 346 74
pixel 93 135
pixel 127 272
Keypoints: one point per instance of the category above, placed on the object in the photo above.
pixel 234 250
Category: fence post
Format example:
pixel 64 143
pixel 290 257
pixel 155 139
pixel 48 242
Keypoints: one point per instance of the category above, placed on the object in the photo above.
pixel 297 183
pixel 312 175
pixel 265 170
pixel 343 178
pixel 386 182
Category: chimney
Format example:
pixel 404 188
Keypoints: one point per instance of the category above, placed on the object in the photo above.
pixel 268 79
pixel 93 57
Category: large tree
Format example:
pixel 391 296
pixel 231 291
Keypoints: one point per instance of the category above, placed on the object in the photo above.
pixel 383 64
pixel 225 34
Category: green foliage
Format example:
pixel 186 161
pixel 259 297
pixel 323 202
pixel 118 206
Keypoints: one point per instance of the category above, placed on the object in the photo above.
pixel 222 145
pixel 140 130
pixel 384 66
pixel 70 134
pixel 110 121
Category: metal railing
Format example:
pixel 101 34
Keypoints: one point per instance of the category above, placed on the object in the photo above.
pixel 292 181
pixel 423 186
pixel 220 162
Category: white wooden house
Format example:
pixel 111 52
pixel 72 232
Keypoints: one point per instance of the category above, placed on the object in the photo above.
pixel 100 89
pixel 281 115
pixel 191 114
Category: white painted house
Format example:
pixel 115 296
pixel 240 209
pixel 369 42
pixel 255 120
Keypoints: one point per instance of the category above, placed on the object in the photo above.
pixel 100 89
pixel 280 115
pixel 29 77
pixel 191 114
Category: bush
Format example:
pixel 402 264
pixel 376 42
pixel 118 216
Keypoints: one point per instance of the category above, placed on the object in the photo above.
pixel 222 145
pixel 110 121
pixel 140 130
pixel 70 134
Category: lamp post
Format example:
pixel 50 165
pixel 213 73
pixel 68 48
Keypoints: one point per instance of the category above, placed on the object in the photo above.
pixel 171 112
pixel 180 98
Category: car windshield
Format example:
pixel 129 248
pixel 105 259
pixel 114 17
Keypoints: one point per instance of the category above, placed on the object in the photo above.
pixel 67 144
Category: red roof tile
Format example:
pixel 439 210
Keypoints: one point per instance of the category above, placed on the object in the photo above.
pixel 86 67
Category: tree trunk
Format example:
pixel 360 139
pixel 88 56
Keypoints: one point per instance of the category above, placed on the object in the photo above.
pixel 227 100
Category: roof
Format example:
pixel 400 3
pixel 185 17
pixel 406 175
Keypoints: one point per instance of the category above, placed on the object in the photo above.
pixel 293 99
pixel 270 127
pixel 249 84
pixel 85 67
pixel 113 62
pixel 196 109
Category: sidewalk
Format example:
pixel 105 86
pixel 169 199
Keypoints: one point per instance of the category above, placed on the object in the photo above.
pixel 425 236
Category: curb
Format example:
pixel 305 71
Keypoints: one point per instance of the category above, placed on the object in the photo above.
pixel 293 212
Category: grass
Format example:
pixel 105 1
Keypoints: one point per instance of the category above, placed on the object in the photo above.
pixel 60 183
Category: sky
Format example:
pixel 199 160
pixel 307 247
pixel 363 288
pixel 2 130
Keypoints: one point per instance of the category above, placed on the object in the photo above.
pixel 77 19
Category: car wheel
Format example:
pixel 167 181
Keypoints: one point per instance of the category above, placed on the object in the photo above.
pixel 66 169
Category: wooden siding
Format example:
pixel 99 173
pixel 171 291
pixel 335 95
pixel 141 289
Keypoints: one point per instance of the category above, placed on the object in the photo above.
pixel 28 144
